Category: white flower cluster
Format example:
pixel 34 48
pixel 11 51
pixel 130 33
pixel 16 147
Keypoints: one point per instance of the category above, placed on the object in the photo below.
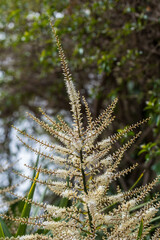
pixel 104 143
pixel 56 211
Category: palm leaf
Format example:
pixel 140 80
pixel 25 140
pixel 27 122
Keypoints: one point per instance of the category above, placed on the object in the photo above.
pixel 26 209
pixel 1 232
pixel 5 228
pixel 140 230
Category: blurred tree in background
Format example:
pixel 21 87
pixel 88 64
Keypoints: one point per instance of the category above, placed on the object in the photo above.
pixel 113 49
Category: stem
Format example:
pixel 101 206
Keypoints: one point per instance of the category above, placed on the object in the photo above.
pixel 85 190
pixel 83 175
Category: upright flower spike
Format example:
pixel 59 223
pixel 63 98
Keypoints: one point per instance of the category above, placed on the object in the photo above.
pixel 74 96
pixel 89 167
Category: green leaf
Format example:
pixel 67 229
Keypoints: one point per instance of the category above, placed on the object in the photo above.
pixel 36 165
pixel 13 14
pixel 142 151
pixel 26 209
pixel 5 228
pixel 140 230
pixel 22 203
pixel 1 232
pixel 133 186
pixel 64 202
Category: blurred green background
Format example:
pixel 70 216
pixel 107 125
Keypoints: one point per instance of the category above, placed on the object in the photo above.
pixel 113 49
